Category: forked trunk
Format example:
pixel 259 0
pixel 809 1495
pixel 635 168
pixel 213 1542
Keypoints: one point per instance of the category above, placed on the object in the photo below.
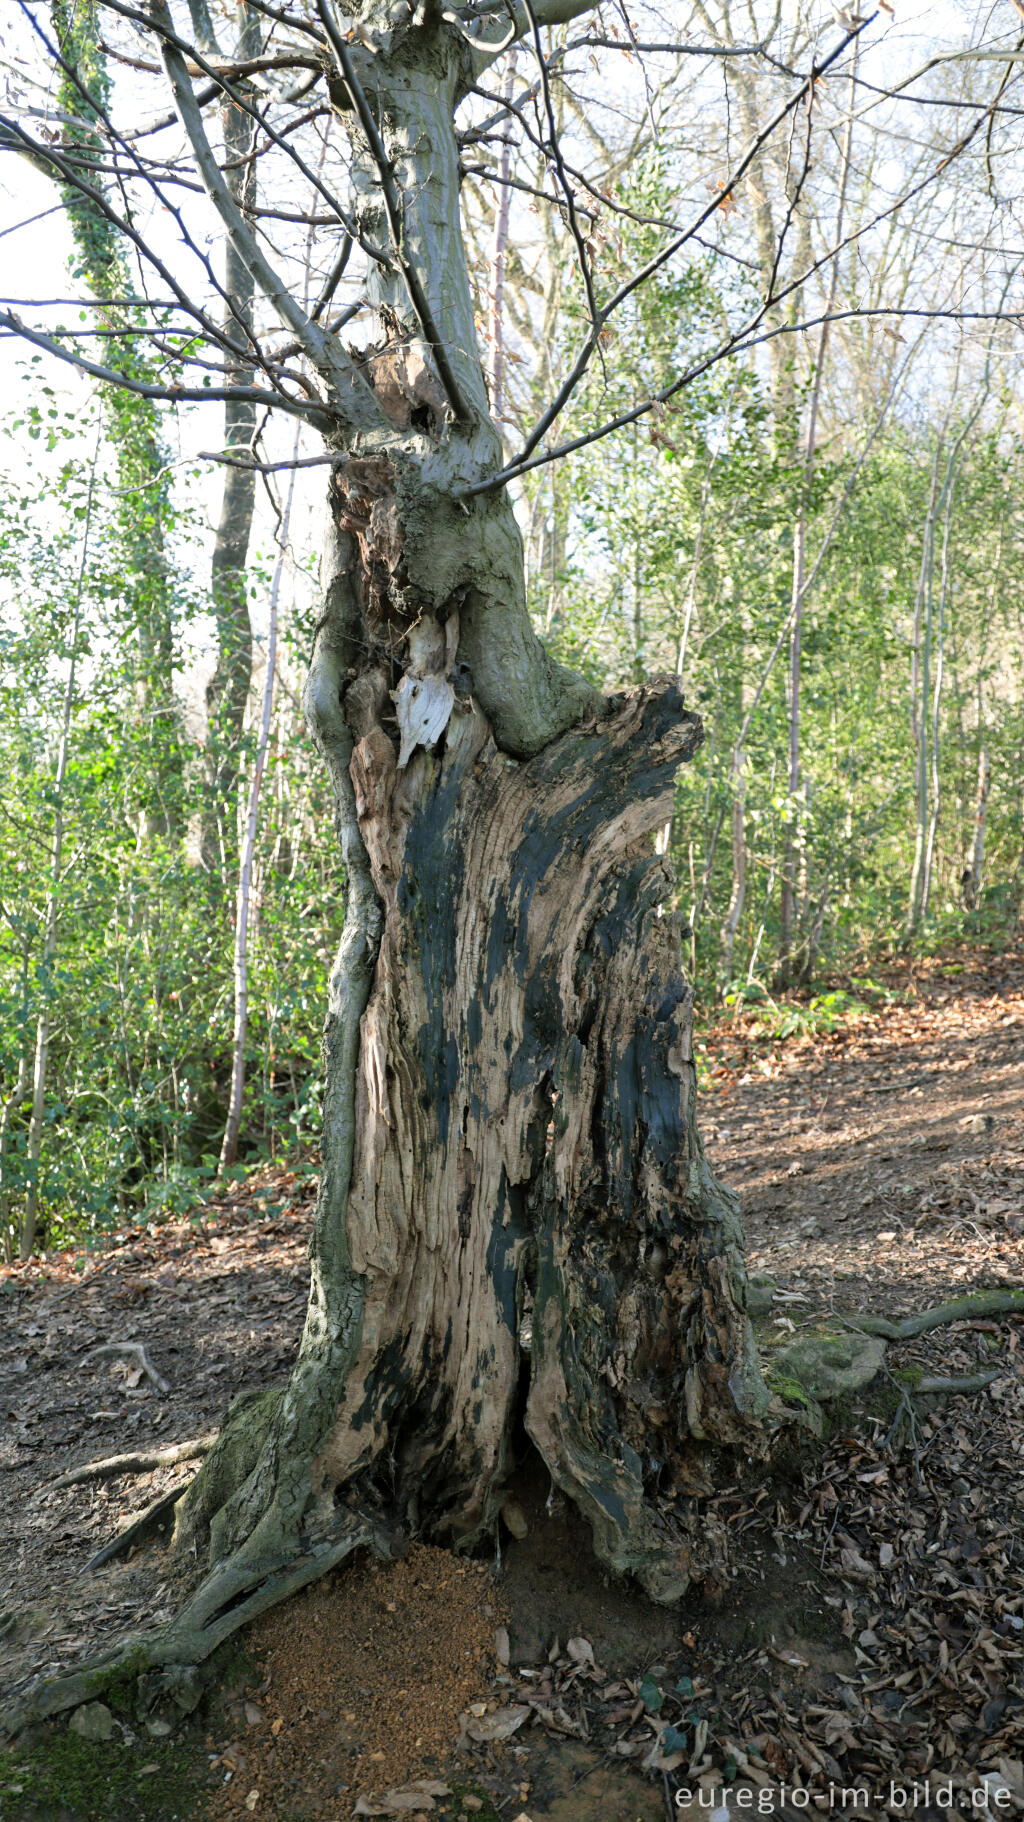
pixel 517 1229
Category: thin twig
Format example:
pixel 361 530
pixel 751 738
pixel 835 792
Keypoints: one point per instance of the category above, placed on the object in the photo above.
pixel 141 1358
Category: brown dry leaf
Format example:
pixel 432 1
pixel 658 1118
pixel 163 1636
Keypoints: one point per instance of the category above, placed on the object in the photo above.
pixel 581 1651
pixel 854 1565
pixel 499 1726
pixel 417 1796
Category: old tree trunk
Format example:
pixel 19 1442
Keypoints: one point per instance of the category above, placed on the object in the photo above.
pixel 517 1233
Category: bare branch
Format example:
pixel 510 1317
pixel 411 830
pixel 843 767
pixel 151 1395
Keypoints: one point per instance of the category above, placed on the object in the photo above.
pixel 173 394
pixel 560 172
pixel 625 290
pixel 673 50
pixel 351 396
pixel 739 344
pixel 252 465
pixel 57 164
pixel 393 210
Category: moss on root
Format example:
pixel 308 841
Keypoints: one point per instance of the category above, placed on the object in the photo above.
pixel 117 1690
pixel 789 1390
pixel 231 1460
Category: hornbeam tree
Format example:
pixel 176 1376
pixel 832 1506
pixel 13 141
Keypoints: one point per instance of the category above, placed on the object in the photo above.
pixel 517 1229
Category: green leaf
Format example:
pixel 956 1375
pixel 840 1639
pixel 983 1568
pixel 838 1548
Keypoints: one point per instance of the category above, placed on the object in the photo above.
pixel 650 1695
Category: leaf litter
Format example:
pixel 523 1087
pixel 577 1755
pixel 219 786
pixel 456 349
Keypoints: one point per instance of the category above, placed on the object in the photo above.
pixel 871 1630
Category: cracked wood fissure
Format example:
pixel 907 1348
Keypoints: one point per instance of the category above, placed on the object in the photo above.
pixel 525 1128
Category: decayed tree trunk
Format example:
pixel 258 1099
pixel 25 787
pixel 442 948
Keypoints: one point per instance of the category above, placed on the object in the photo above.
pixel 510 1095
pixel 509 1113
pixel 510 1116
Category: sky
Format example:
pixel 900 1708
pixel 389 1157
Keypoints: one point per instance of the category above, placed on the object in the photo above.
pixel 35 242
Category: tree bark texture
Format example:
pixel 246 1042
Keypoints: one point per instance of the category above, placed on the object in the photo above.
pixel 227 692
pixel 511 1140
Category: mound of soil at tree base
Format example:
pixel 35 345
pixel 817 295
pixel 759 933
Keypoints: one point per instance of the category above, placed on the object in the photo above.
pixel 364 1678
pixel 531 1686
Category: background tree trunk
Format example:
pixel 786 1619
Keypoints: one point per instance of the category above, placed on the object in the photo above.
pixel 227 692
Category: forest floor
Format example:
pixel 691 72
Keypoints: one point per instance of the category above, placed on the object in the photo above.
pixel 872 1633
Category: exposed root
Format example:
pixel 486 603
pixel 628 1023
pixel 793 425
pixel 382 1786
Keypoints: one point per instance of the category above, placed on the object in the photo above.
pixel 137 1352
pixel 138 1531
pixel 960 1309
pixel 951 1388
pixel 142 1461
pixel 161 1665
pixel 818 1371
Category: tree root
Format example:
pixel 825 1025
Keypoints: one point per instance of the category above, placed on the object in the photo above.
pixel 821 1372
pixel 140 1528
pixel 948 1388
pixel 143 1461
pixel 960 1309
pixel 161 1665
pixel 138 1353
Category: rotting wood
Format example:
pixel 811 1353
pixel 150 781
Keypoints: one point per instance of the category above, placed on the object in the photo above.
pixel 525 1127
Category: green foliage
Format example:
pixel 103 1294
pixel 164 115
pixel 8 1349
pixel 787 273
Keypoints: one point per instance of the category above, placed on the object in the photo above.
pixel 139 989
pixel 668 545
pixel 823 1012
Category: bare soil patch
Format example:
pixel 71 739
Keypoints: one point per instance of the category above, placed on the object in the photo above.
pixel 364 1677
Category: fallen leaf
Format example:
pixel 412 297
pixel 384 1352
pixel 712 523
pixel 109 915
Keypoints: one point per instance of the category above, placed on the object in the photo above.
pixel 581 1651
pixel 499 1726
pixel 411 1797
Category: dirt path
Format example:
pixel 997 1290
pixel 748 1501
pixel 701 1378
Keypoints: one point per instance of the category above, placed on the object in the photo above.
pixel 873 1631
pixel 883 1166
